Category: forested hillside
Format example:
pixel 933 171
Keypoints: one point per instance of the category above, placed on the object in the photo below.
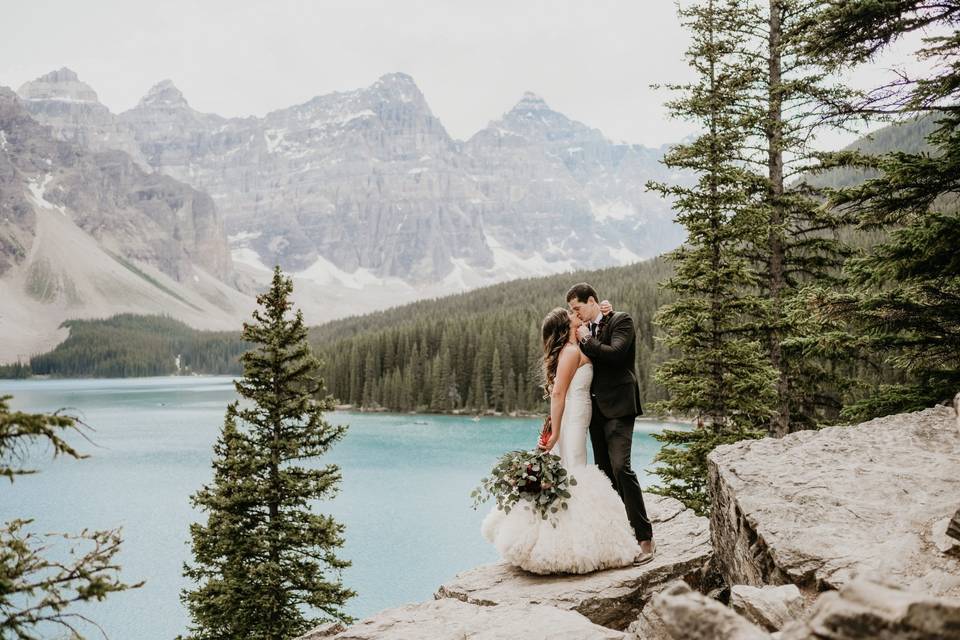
pixel 476 351
pixel 130 345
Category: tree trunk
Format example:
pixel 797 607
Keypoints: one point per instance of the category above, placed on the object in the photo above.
pixel 780 424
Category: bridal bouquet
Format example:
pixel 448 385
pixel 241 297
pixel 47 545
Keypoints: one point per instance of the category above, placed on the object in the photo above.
pixel 534 476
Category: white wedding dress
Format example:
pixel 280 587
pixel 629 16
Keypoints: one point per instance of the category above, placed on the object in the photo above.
pixel 593 533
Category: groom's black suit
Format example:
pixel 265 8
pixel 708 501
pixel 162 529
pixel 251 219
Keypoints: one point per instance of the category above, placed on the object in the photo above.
pixel 616 404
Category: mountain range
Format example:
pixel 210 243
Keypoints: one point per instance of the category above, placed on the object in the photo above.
pixel 362 195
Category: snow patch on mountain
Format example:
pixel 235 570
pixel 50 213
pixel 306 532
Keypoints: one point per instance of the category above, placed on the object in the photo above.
pixel 624 256
pixel 38 194
pixel 324 272
pixel 509 265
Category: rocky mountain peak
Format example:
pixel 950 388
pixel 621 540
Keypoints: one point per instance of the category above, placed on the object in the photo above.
pixel 397 79
pixel 533 119
pixel 400 87
pixel 63 74
pixel 7 96
pixel 530 102
pixel 164 94
pixel 62 84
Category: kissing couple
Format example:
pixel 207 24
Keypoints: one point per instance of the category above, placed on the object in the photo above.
pixel 589 355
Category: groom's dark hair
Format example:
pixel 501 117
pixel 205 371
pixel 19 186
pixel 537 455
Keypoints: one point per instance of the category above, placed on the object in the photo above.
pixel 582 293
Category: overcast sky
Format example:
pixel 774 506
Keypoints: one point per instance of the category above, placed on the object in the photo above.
pixel 592 60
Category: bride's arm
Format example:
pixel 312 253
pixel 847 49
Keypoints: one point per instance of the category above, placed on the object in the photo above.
pixel 566 367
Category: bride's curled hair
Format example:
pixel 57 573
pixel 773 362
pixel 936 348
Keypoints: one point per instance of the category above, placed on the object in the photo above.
pixel 555 332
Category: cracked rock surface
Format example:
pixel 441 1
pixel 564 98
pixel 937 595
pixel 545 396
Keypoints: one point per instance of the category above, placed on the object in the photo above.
pixel 449 619
pixel 816 507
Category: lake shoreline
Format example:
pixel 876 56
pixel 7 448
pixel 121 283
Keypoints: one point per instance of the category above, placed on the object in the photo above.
pixel 346 408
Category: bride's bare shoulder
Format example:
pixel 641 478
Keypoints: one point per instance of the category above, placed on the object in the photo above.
pixel 572 351
pixel 568 351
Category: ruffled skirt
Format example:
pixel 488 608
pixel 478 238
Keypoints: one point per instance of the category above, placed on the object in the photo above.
pixel 593 533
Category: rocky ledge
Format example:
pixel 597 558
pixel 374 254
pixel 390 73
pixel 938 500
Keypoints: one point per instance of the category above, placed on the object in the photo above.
pixel 449 619
pixel 816 507
pixel 843 534
pixel 611 598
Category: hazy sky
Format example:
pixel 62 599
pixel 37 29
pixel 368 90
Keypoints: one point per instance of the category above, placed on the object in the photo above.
pixel 593 61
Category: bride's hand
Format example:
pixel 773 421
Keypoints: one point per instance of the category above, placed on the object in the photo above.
pixel 606 308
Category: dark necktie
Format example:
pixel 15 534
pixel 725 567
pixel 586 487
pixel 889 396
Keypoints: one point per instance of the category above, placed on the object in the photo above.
pixel 594 328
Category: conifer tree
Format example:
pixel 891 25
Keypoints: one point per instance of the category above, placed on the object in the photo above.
pixel 263 561
pixel 902 303
pixel 720 373
pixel 510 392
pixel 793 98
pixel 496 381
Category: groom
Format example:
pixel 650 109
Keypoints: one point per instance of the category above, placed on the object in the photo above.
pixel 610 343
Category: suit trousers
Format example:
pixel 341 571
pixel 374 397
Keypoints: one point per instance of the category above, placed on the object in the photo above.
pixel 612 440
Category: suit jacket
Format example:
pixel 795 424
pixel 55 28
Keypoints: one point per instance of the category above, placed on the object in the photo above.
pixel 614 389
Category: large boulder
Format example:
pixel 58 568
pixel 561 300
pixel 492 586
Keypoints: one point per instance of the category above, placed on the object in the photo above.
pixel 611 598
pixel 449 619
pixel 768 607
pixel 865 610
pixel 816 507
pixel 679 613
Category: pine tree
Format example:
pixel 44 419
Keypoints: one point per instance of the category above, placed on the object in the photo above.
pixel 510 392
pixel 478 393
pixel 902 304
pixel 793 99
pixel 451 397
pixel 355 389
pixel 416 377
pixel 36 591
pixel 496 381
pixel 720 374
pixel 263 560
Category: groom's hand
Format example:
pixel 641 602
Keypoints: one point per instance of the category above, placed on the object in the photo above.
pixel 582 332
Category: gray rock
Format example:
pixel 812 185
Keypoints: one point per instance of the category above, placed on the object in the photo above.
pixel 768 607
pixel 449 619
pixel 74 113
pixel 815 507
pixel 679 613
pixel 865 610
pixel 610 598
pixel 324 631
pixel 150 218
pixel 956 408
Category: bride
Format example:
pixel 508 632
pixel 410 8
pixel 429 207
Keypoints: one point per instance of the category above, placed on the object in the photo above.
pixel 593 533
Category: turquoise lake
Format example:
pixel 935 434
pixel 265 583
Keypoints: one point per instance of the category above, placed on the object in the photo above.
pixel 404 497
